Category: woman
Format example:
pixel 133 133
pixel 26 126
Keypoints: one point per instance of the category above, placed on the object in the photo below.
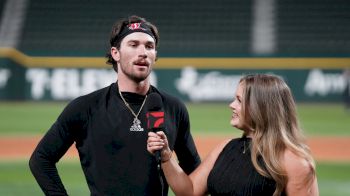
pixel 271 158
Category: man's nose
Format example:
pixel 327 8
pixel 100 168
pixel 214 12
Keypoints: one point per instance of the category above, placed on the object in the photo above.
pixel 142 51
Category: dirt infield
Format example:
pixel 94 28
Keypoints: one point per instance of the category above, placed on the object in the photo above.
pixel 323 148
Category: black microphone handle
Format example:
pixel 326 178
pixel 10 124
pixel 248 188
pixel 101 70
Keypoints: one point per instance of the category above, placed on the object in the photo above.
pixel 158 156
pixel 157 152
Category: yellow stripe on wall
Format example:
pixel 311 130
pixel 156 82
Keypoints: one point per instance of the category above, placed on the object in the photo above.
pixel 171 63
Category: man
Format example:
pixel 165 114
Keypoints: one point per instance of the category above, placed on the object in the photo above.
pixel 109 127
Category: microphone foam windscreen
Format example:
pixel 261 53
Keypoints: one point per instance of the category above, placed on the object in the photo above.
pixel 154 102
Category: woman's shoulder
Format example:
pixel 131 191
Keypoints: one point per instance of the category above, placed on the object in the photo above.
pixel 214 153
pixel 223 143
pixel 295 164
pixel 301 178
pixel 210 159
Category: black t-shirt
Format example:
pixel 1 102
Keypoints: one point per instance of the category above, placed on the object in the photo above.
pixel 114 159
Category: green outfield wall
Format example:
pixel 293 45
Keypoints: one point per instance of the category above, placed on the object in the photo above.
pixel 192 79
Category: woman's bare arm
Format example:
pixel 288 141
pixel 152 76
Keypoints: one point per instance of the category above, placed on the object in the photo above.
pixel 300 179
pixel 178 180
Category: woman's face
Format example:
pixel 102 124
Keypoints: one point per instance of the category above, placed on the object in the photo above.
pixel 237 119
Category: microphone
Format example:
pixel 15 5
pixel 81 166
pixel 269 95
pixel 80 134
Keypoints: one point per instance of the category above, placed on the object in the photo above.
pixel 155 118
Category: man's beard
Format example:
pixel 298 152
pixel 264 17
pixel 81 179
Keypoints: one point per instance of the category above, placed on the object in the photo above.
pixel 136 77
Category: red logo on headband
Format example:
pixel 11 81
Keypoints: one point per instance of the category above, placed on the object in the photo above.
pixel 134 26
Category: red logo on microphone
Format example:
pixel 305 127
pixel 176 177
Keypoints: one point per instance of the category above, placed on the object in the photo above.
pixel 155 119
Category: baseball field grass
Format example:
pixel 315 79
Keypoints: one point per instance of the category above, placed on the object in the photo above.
pixel 27 119
pixel 33 118
pixel 16 179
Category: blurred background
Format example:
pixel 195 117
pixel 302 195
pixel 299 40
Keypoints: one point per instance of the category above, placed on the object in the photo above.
pixel 53 51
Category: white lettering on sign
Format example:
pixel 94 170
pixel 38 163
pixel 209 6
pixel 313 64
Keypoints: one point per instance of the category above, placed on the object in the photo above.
pixel 211 86
pixel 5 74
pixel 39 78
pixel 63 84
pixel 323 84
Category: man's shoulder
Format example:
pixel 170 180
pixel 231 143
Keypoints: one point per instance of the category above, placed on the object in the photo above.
pixel 83 106
pixel 168 98
pixel 90 99
pixel 97 94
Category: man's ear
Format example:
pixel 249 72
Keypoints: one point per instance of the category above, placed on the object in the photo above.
pixel 115 54
pixel 156 56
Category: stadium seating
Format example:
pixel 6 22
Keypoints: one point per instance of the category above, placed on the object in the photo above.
pixel 314 27
pixel 197 28
pixel 187 28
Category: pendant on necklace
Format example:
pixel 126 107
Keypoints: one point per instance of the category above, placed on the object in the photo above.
pixel 136 126
pixel 244 148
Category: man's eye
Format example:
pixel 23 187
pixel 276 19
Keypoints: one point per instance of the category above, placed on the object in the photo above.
pixel 132 44
pixel 149 46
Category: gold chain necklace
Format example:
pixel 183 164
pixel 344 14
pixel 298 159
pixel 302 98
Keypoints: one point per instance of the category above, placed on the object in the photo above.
pixel 136 124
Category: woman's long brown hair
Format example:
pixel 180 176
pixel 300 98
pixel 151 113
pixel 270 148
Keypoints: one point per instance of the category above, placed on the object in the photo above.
pixel 269 109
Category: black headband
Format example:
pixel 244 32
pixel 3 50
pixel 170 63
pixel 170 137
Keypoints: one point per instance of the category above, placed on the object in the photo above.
pixel 135 27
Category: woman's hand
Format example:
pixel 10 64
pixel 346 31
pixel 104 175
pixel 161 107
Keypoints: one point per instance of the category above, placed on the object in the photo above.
pixel 159 141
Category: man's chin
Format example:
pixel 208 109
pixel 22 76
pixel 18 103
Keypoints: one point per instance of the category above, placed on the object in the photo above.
pixel 139 78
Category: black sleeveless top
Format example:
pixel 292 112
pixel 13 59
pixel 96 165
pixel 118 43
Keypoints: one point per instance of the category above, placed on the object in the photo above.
pixel 234 174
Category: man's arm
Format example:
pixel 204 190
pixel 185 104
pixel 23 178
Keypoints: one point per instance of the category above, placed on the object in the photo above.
pixel 44 158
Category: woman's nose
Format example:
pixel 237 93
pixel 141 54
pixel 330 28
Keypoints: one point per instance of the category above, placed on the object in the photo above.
pixel 231 105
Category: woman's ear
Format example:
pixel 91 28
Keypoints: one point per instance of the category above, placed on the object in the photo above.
pixel 115 54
